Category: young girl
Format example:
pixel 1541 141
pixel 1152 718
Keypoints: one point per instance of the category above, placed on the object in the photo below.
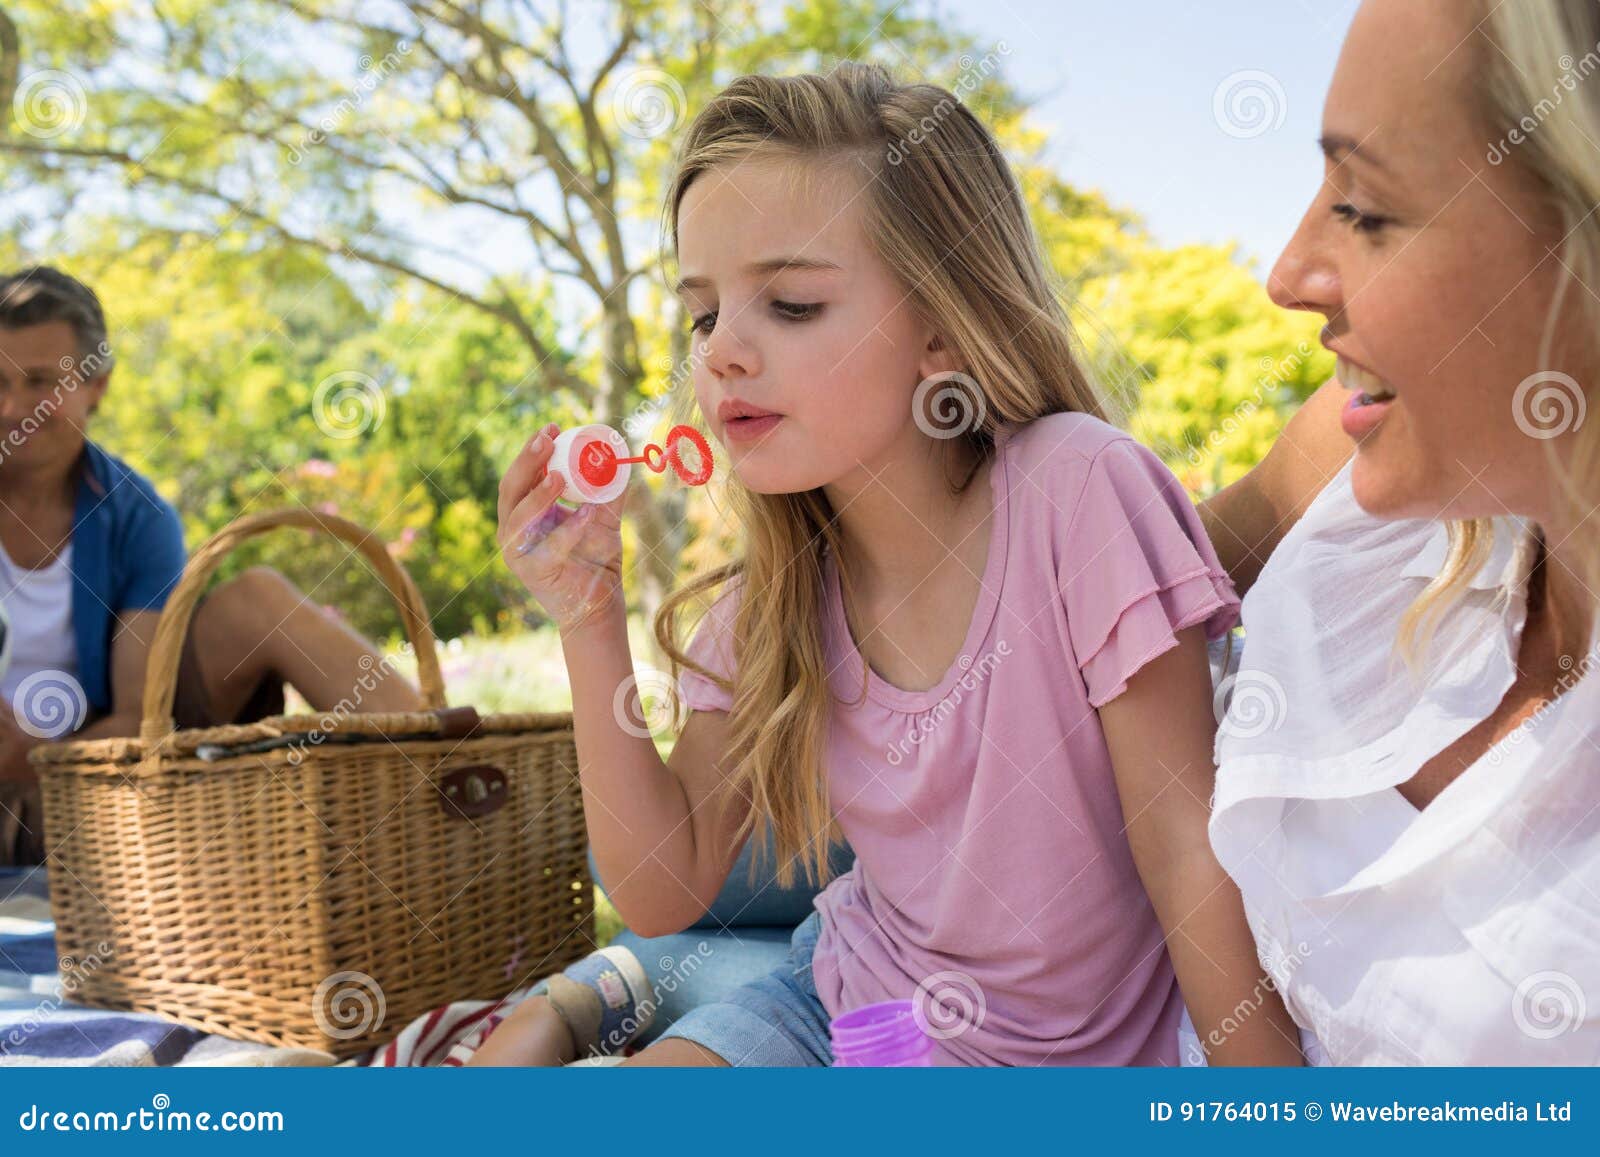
pixel 967 628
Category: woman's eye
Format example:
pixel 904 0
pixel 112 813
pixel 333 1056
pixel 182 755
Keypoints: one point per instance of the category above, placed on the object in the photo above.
pixel 796 311
pixel 704 323
pixel 1357 220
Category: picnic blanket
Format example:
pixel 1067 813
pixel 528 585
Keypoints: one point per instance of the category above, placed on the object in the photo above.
pixel 446 1037
pixel 39 1024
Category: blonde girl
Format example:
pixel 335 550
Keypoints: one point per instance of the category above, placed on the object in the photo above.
pixel 965 629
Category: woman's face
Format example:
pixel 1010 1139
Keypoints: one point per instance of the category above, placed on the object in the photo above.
pixel 794 314
pixel 1435 268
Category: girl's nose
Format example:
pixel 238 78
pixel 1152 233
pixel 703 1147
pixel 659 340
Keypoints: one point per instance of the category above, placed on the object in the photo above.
pixel 726 355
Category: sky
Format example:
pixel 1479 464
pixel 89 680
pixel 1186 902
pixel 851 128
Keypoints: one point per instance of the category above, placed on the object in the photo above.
pixel 1200 118
pixel 1128 92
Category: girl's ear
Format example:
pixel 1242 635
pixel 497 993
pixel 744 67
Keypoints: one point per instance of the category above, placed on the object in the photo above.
pixel 937 358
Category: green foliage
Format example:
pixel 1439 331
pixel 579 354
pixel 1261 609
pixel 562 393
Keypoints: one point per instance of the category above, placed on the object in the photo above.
pixel 221 349
pixel 266 216
pixel 1205 366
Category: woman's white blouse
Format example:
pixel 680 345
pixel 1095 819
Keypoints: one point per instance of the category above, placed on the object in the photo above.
pixel 1468 932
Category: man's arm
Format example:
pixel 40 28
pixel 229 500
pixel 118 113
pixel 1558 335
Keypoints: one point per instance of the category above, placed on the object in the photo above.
pixel 130 652
pixel 1247 520
pixel 15 744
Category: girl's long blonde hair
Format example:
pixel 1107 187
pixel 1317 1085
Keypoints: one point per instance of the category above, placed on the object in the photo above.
pixel 945 214
pixel 1540 69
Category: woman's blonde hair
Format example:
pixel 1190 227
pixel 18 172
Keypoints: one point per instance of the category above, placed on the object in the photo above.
pixel 943 211
pixel 1541 97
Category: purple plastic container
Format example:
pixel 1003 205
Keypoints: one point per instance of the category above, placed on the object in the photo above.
pixel 880 1035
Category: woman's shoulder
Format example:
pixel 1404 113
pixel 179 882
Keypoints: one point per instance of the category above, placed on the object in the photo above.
pixel 1336 538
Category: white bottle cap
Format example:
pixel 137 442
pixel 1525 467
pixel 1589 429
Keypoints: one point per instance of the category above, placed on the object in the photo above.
pixel 565 457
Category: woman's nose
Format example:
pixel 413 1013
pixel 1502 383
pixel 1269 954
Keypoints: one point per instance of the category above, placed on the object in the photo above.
pixel 1304 277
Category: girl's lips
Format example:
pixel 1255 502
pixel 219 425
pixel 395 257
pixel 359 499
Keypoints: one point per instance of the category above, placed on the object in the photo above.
pixel 749 429
pixel 1362 415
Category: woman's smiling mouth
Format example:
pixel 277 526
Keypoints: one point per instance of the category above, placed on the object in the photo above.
pixel 1370 402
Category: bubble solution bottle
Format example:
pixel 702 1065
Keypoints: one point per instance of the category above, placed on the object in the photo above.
pixel 887 1034
pixel 595 462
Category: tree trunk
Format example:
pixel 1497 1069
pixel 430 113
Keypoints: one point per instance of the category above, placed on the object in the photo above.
pixel 655 563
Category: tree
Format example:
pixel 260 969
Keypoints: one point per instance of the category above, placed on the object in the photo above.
pixel 1207 368
pixel 304 121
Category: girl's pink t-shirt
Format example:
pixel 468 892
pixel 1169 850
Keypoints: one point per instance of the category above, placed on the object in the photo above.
pixel 993 882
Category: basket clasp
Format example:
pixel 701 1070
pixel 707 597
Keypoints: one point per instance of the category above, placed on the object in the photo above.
pixel 472 791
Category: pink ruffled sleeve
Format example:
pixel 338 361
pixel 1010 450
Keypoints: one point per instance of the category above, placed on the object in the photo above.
pixel 711 647
pixel 1136 568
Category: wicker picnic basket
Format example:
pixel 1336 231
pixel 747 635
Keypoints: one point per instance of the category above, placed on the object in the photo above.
pixel 314 881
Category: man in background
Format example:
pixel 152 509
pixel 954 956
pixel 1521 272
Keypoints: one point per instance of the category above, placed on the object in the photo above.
pixel 89 552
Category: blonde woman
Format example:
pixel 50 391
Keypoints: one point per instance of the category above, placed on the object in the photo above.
pixel 967 627
pixel 1409 784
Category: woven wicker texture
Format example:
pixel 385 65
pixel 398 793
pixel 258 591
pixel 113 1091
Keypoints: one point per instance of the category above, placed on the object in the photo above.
pixel 345 874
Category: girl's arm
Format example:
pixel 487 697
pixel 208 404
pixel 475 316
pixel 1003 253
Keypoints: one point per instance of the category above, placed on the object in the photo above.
pixel 662 850
pixel 1159 732
pixel 662 845
pixel 1247 520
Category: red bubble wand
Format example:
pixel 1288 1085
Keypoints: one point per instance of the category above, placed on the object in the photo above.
pixel 595 463
pixel 598 461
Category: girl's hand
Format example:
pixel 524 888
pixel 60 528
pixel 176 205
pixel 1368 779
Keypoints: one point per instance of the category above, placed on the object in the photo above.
pixel 570 561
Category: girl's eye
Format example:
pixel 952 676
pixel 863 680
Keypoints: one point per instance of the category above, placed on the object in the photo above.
pixel 797 311
pixel 788 310
pixel 1357 220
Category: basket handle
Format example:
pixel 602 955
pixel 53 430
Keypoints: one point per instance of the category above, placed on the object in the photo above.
pixel 161 673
